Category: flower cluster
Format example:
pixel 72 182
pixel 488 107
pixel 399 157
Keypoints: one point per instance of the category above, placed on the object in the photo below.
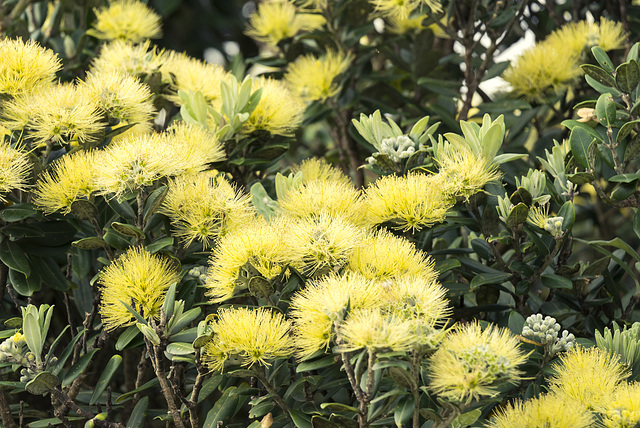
pixel 546 332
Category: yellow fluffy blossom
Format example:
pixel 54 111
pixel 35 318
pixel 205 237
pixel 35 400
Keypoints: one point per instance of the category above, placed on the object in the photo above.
pixel 190 74
pixel 416 297
pixel 14 170
pixel 462 173
pixel 195 138
pixel 137 161
pixel 71 178
pixel 278 111
pixel 403 8
pixel 203 208
pixel 129 20
pixel 59 113
pixel 318 245
pixel 25 67
pixel 321 305
pixel 471 363
pixel 316 197
pixel 408 203
pixel 122 99
pixel 254 250
pixel 315 79
pixel 316 169
pixel 138 60
pixel 623 410
pixel 552 65
pixel 276 20
pixel 588 375
pixel 384 256
pixel 245 337
pixel 547 410
pixel 139 279
pixel 376 331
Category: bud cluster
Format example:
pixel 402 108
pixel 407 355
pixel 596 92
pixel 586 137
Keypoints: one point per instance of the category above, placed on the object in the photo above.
pixel 553 225
pixel 545 330
pixel 396 148
pixel 199 273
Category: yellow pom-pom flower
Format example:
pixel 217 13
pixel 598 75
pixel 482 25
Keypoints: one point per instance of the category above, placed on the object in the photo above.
pixel 471 363
pixel 256 249
pixel 376 331
pixel 59 114
pixel 25 67
pixel 14 170
pixel 384 256
pixel 464 174
pixel 317 197
pixel 246 337
pixel 195 138
pixel 416 297
pixel 139 279
pixel 277 20
pixel 588 375
pixel 321 305
pixel 129 20
pixel 138 60
pixel 203 208
pixel 137 161
pixel 623 410
pixel 189 74
pixel 314 79
pixel 71 178
pixel 122 99
pixel 316 169
pixel 548 410
pixel 278 111
pixel 411 202
pixel 318 245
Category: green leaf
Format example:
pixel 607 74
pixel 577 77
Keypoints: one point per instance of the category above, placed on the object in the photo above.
pixel 300 419
pixel 624 178
pixel 42 383
pixel 139 413
pixel 90 243
pixel 160 244
pixel 151 384
pixel 122 208
pixel 66 353
pixel 127 230
pixel 116 239
pixel 517 216
pixel 603 59
pixel 556 281
pixel 105 378
pixel 516 322
pixel 32 335
pixel 580 178
pixel 338 407
pixel 180 348
pixel 600 87
pixel 568 213
pixel 403 410
pixel 606 110
pixel 78 368
pixel 623 190
pixel 599 75
pixel 50 273
pixel 223 409
pixel 12 255
pixel 154 201
pixel 628 76
pixel 626 129
pixel 18 212
pixel 307 366
pixel 84 210
pixel 23 285
pixel 489 278
pixel 580 141
pixel 636 223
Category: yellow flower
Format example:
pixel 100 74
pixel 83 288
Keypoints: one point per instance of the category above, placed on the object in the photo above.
pixel 623 410
pixel 316 197
pixel 547 410
pixel 384 256
pixel 247 336
pixel 256 249
pixel 375 331
pixel 122 99
pixel 402 25
pixel 472 363
pixel 135 60
pixel 416 297
pixel 278 111
pixel 318 169
pixel 189 74
pixel 464 174
pixel 139 279
pixel 408 203
pixel 59 113
pixel 129 20
pixel 137 161
pixel 321 305
pixel 25 67
pixel 276 20
pixel 195 139
pixel 321 244
pixel 314 79
pixel 71 178
pixel 590 376
pixel 399 8
pixel 14 169
pixel 203 208
pixel 581 35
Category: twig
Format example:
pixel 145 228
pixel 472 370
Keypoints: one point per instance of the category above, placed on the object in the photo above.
pixel 66 401
pixel 195 392
pixel 276 397
pixel 5 411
